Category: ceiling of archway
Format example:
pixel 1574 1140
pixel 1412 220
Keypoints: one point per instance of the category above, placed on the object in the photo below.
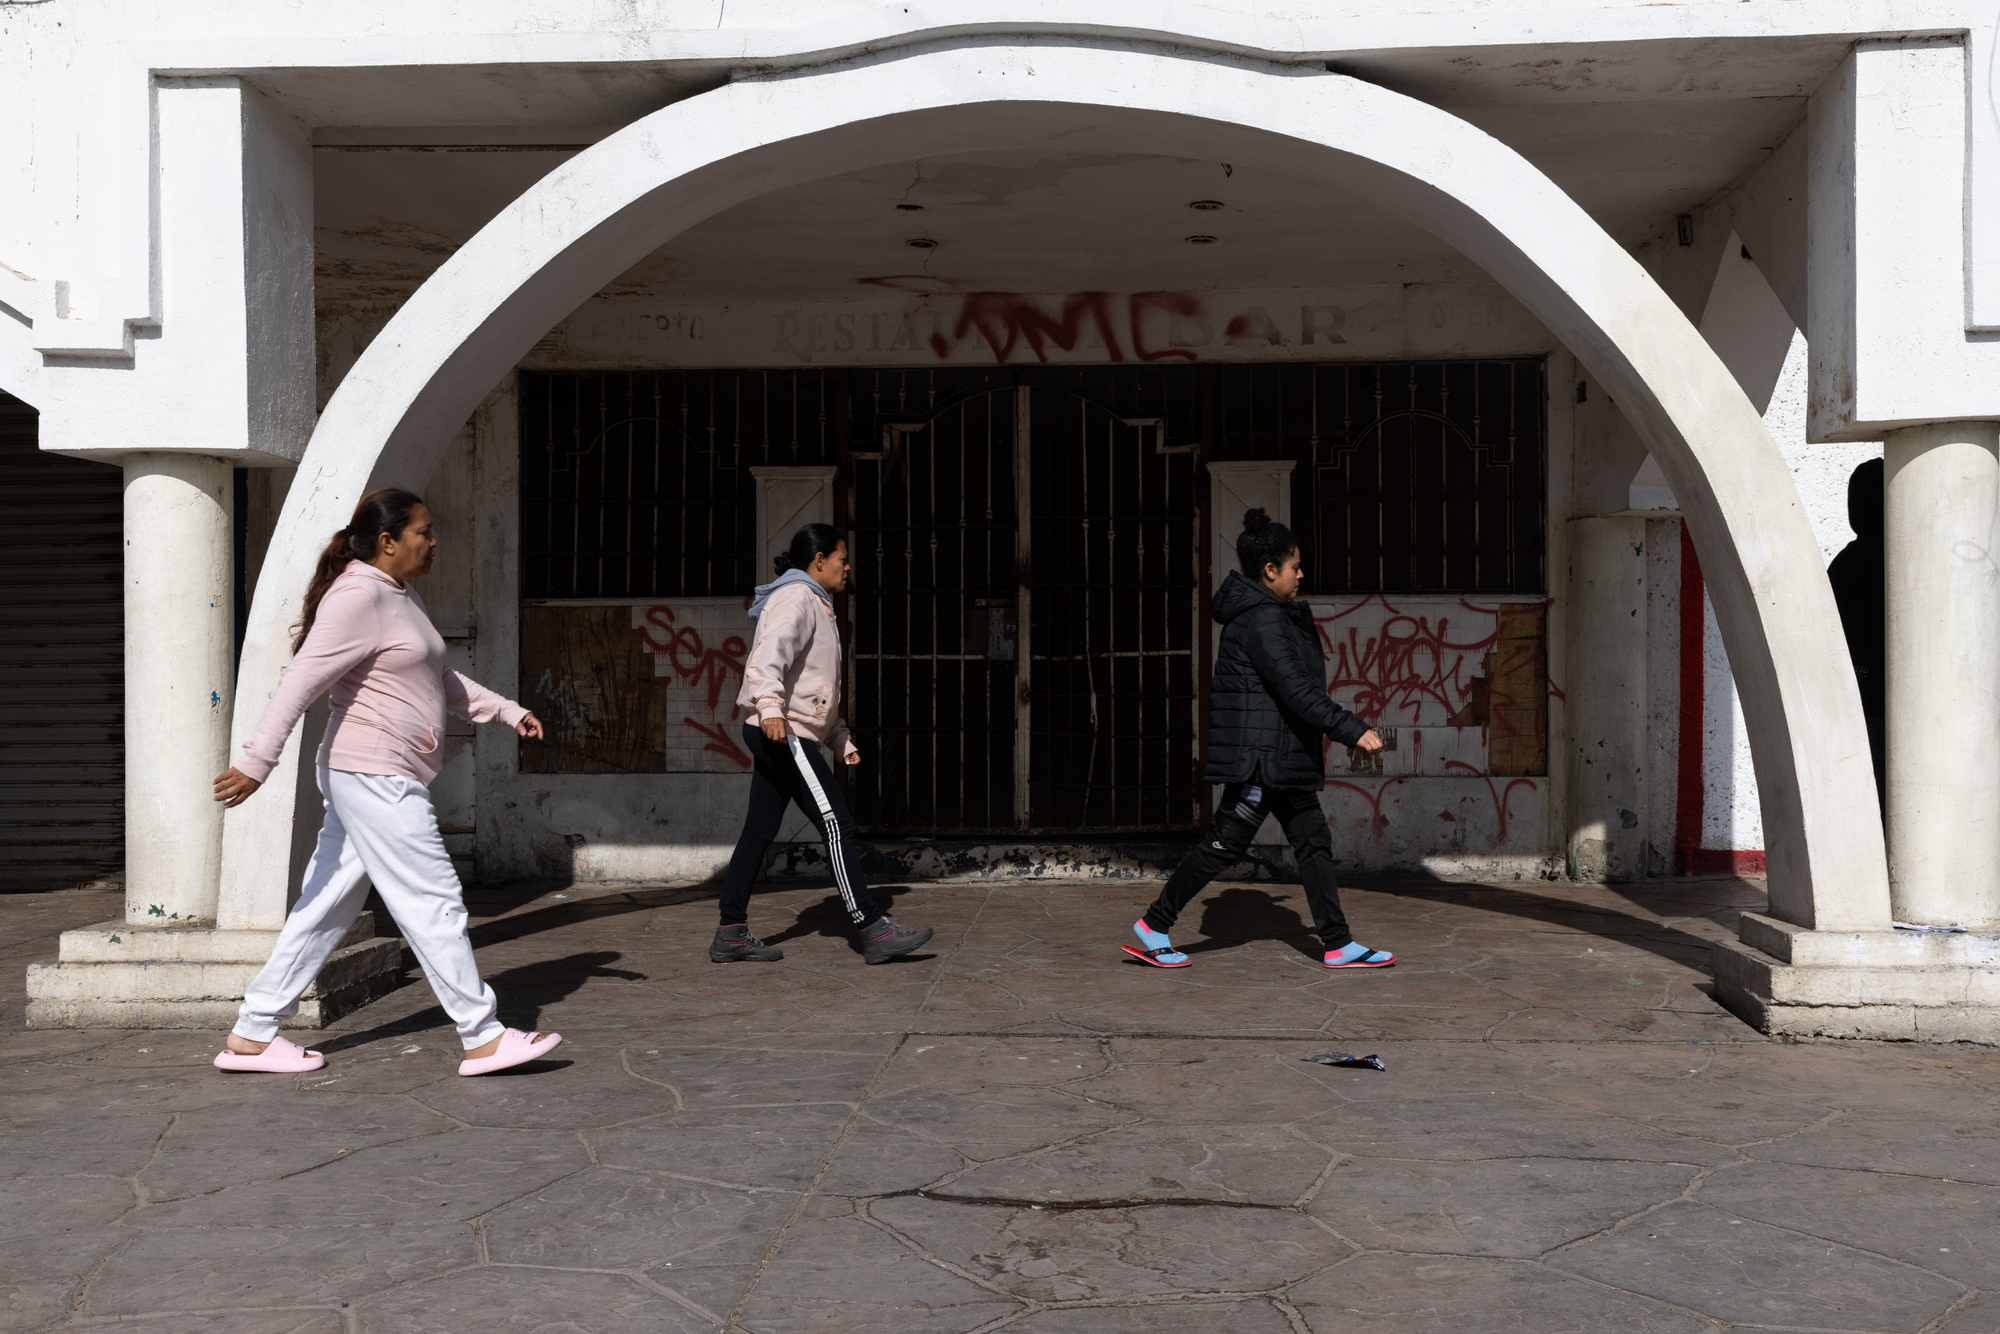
pixel 1026 221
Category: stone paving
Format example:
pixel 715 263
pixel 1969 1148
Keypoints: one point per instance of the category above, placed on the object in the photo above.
pixel 1017 1129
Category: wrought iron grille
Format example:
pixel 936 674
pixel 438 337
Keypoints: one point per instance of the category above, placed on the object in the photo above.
pixel 1116 593
pixel 1415 477
pixel 637 484
pixel 1045 685
pixel 931 608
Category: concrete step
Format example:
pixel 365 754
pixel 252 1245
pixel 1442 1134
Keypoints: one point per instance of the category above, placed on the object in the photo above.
pixel 192 994
pixel 1902 1002
pixel 117 941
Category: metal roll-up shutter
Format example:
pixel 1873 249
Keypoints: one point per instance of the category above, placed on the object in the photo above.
pixel 62 658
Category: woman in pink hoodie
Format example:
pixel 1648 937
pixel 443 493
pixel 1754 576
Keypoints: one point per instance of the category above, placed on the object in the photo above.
pixel 366 636
pixel 791 682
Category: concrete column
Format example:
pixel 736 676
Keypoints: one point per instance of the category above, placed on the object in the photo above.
pixel 1606 712
pixel 1943 595
pixel 179 641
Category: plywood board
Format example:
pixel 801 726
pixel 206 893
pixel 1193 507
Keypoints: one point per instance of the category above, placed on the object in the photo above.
pixel 589 678
pixel 1518 714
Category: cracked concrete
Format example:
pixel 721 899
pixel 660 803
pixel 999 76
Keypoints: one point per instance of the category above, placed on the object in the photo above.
pixel 1017 1129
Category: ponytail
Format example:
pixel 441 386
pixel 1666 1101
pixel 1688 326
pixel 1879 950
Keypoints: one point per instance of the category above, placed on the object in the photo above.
pixel 808 545
pixel 385 512
pixel 1264 542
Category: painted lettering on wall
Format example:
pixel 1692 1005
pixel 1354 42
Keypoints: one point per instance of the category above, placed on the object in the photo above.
pixel 1006 325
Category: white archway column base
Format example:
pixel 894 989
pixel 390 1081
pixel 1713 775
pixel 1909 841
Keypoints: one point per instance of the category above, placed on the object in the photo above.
pixel 1944 636
pixel 180 976
pixel 1912 986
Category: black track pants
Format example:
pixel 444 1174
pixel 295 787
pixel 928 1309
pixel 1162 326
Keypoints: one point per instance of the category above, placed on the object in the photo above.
pixel 1236 822
pixel 781 773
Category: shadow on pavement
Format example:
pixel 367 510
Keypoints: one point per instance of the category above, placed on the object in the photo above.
pixel 1604 921
pixel 523 992
pixel 1238 916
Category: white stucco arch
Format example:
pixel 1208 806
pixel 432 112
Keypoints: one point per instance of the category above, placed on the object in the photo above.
pixel 592 218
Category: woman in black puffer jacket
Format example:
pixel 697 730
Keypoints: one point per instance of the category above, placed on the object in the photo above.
pixel 1267 711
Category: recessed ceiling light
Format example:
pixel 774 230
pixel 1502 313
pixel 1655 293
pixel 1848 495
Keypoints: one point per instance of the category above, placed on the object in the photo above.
pixel 921 243
pixel 1194 240
pixel 911 208
pixel 1206 205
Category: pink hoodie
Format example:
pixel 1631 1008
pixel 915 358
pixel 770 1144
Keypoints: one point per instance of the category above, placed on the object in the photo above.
pixel 373 643
pixel 793 671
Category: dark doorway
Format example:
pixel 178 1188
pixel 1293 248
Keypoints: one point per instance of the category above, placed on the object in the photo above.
pixel 1024 615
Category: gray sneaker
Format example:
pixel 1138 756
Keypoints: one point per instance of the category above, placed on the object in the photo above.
pixel 735 944
pixel 885 940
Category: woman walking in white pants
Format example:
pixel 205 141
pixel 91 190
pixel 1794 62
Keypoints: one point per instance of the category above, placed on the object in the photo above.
pixel 366 636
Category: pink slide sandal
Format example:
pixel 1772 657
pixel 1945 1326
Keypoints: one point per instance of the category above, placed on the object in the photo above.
pixel 282 1057
pixel 516 1048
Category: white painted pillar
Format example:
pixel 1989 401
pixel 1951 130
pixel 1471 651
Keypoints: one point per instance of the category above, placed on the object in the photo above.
pixel 179 687
pixel 1943 594
pixel 1605 761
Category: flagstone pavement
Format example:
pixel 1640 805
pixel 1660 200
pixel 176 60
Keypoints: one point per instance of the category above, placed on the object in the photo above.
pixel 1016 1128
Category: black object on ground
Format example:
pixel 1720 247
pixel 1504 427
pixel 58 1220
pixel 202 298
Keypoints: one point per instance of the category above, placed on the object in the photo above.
pixel 1372 1061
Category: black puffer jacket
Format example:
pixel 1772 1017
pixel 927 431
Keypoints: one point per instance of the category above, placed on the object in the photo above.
pixel 1267 707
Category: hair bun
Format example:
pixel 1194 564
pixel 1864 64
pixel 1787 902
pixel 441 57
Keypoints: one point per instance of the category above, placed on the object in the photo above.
pixel 1255 519
pixel 782 562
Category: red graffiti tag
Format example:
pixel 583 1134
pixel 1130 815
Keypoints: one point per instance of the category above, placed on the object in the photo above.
pixel 693 662
pixel 1011 322
pixel 720 742
pixel 1500 796
pixel 1177 304
pixel 1378 823
pixel 1006 320
pixel 1409 662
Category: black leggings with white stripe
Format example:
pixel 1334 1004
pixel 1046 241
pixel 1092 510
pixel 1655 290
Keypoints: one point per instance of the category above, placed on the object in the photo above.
pixel 783 772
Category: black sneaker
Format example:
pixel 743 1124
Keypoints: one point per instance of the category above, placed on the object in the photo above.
pixel 735 943
pixel 885 940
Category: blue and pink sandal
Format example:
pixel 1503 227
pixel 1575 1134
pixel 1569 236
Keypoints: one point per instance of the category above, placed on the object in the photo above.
pixel 1356 955
pixel 1159 951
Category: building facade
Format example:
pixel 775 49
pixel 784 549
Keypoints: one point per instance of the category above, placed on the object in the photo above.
pixel 1558 335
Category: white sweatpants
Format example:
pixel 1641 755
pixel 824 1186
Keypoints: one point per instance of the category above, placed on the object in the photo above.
pixel 383 829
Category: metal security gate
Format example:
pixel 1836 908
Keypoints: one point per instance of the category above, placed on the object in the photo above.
pixel 1024 607
pixel 932 682
pixel 1115 592
pixel 62 648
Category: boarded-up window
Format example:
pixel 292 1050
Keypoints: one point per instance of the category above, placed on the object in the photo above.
pixel 590 680
pixel 1517 675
